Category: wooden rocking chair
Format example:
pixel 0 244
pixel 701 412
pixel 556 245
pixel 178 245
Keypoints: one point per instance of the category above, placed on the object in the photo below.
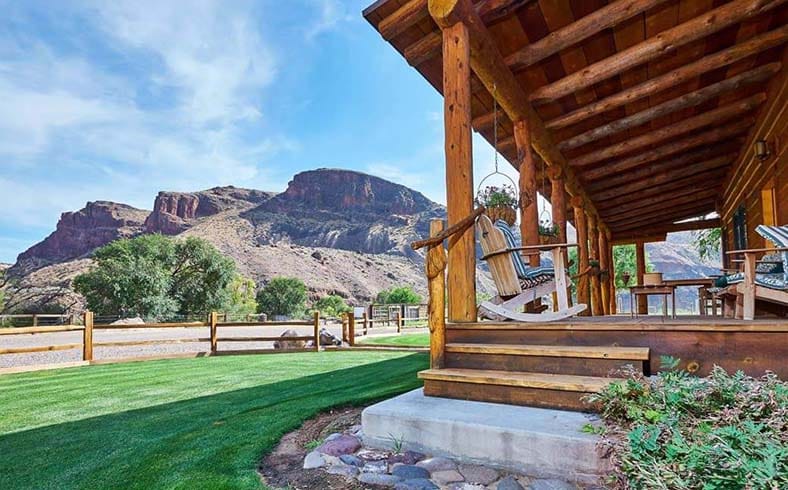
pixel 768 284
pixel 516 291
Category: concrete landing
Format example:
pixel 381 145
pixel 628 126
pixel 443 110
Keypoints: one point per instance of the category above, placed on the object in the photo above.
pixel 535 441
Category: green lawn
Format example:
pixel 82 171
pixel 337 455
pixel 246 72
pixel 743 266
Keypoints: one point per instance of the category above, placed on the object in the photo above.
pixel 180 423
pixel 405 340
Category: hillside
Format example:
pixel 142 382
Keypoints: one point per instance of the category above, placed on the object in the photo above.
pixel 341 232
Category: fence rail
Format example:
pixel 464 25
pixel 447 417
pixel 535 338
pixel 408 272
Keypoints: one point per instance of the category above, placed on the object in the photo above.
pixel 212 324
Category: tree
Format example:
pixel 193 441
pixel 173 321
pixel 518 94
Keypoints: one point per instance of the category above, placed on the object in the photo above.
pixel 240 296
pixel 708 243
pixel 623 261
pixel 153 276
pixel 331 306
pixel 282 296
pixel 398 295
pixel 200 276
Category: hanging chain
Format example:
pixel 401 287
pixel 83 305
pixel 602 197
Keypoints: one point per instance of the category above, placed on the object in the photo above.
pixel 495 126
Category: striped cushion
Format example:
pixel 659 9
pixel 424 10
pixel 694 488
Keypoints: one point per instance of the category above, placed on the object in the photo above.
pixel 779 236
pixel 519 266
pixel 771 281
pixel 531 276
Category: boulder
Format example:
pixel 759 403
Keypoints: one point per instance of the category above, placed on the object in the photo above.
pixel 328 338
pixel 410 472
pixel 289 344
pixel 344 444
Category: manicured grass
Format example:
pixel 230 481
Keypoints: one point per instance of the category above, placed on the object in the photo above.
pixel 180 423
pixel 405 340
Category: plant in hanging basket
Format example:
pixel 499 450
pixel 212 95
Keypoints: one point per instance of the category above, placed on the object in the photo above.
pixel 500 202
pixel 594 265
pixel 548 233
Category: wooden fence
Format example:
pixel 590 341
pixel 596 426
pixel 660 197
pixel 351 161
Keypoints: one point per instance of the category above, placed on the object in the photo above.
pixel 212 324
pixel 365 324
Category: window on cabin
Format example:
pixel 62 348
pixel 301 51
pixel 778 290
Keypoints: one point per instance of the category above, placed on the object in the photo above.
pixel 740 228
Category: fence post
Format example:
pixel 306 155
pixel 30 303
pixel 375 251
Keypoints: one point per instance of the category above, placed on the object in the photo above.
pixel 35 320
pixel 400 321
pixel 436 284
pixel 317 330
pixel 366 321
pixel 213 319
pixel 351 328
pixel 87 337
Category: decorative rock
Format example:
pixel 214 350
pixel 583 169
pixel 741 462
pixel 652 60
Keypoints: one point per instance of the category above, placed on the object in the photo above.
pixel 408 457
pixel 410 472
pixel 378 479
pixel 378 467
pixel 314 460
pixel 478 474
pixel 509 483
pixel 372 455
pixel 416 484
pixel 437 464
pixel 332 437
pixel 447 476
pixel 352 460
pixel 343 470
pixel 467 486
pixel 344 444
pixel 551 484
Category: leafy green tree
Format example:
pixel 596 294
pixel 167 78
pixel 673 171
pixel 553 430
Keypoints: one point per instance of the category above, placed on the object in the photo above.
pixel 398 295
pixel 282 296
pixel 240 296
pixel 331 306
pixel 153 276
pixel 708 243
pixel 200 276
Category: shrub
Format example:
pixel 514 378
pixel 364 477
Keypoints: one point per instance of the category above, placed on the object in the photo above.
pixel 398 295
pixel 677 431
pixel 331 306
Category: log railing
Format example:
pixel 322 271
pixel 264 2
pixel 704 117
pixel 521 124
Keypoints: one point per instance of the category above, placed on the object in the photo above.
pixel 212 324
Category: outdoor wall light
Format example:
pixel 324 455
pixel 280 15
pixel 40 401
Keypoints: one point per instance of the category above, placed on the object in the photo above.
pixel 762 150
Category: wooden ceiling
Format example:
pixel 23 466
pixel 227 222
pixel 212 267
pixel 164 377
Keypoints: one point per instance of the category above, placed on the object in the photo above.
pixel 648 101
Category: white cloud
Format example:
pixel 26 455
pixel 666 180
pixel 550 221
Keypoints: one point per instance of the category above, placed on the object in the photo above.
pixel 332 13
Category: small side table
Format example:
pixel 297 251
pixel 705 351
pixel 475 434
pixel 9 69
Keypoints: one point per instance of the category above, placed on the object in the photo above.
pixel 663 290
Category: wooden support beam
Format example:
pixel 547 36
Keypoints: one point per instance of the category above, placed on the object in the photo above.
pixel 459 170
pixel 403 18
pixel 654 47
pixel 529 210
pixel 424 49
pixel 673 78
pixel 581 226
pixel 494 10
pixel 436 285
pixel 678 214
pixel 577 31
pixel 491 69
pixel 596 287
pixel 640 269
pixel 756 75
pixel 714 116
pixel 670 202
pixel 630 237
pixel 558 206
pixel 613 306
pixel 633 188
pixel 605 267
pixel 705 138
pixel 728 149
pixel 655 195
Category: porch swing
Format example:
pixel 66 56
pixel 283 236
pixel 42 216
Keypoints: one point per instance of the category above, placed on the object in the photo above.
pixel 518 284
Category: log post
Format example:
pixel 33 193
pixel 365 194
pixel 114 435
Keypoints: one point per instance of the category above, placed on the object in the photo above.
pixel 35 320
pixel 604 265
pixel 581 225
pixel 87 337
pixel 529 206
pixel 596 287
pixel 351 328
pixel 640 265
pixel 436 285
pixel 399 322
pixel 558 205
pixel 459 170
pixel 316 321
pixel 213 319
pixel 365 323
pixel 344 328
pixel 612 263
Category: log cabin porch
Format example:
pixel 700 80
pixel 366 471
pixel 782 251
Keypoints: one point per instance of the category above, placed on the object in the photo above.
pixel 634 119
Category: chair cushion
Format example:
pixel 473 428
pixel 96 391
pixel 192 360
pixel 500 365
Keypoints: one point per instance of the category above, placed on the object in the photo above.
pixel 770 264
pixel 531 275
pixel 779 236
pixel 771 281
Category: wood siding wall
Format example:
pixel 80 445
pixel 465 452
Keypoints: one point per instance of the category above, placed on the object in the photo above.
pixel 750 177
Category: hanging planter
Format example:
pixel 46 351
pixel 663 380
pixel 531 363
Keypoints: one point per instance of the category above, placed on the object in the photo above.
pixel 548 233
pixel 594 265
pixel 500 202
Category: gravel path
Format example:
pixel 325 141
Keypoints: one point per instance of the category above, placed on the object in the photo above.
pixel 115 352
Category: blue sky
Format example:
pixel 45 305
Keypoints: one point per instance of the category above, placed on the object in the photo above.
pixel 116 100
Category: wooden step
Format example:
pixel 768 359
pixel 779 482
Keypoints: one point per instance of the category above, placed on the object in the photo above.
pixel 517 388
pixel 548 359
pixel 577 351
